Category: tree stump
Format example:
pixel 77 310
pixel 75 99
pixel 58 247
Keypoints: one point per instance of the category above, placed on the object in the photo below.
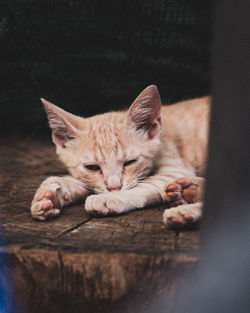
pixel 77 263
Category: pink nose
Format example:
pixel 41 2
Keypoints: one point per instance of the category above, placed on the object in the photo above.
pixel 114 188
pixel 114 182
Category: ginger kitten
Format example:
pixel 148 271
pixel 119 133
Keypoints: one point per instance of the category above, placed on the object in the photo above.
pixel 120 161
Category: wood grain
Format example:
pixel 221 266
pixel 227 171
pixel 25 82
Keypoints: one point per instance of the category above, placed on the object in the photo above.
pixel 77 263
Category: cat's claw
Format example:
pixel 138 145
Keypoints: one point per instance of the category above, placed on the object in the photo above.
pixel 182 215
pixel 47 203
pixel 182 191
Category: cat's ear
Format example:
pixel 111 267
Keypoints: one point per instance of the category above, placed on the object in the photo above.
pixel 144 114
pixel 64 125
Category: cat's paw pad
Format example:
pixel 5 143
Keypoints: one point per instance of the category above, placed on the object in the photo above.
pixel 181 191
pixel 181 216
pixel 47 203
pixel 103 204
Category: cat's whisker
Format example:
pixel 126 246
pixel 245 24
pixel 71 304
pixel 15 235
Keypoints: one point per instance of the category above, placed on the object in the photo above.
pixel 90 189
pixel 132 184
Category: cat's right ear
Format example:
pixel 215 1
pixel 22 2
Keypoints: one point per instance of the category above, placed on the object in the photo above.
pixel 144 115
pixel 64 125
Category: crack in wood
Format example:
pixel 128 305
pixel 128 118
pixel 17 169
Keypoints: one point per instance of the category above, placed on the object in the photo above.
pixel 68 230
pixel 61 269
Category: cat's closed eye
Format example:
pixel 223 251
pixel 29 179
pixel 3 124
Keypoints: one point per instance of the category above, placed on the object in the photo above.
pixel 92 167
pixel 129 162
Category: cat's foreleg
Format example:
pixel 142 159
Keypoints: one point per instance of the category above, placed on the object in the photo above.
pixel 149 192
pixel 183 215
pixel 55 193
pixel 117 202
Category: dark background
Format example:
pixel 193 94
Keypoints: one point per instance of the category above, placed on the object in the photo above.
pixel 93 56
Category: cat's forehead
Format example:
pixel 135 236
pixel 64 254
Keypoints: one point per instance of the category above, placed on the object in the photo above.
pixel 107 129
pixel 108 139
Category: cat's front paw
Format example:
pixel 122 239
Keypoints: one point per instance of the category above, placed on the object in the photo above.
pixel 48 201
pixel 183 215
pixel 182 191
pixel 104 204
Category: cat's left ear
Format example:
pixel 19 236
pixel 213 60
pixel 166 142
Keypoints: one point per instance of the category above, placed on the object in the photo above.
pixel 144 114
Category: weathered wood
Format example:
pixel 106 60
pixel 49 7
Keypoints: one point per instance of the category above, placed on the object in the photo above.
pixel 76 263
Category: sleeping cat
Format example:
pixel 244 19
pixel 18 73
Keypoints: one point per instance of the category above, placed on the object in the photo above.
pixel 120 161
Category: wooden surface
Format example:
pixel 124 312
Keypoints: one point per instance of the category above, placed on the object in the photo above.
pixel 76 263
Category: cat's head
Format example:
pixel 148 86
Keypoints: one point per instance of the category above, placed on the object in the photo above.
pixel 110 151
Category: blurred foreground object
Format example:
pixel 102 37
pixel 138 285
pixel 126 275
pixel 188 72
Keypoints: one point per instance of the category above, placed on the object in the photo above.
pixel 222 283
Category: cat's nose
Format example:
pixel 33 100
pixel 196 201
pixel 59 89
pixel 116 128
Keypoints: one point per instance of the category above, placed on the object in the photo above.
pixel 114 188
pixel 114 182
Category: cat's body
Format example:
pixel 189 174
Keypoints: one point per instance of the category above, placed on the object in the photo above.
pixel 120 161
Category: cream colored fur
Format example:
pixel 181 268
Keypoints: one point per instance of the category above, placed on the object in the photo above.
pixel 120 161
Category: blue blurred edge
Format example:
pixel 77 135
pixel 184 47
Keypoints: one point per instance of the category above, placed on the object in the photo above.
pixel 5 297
